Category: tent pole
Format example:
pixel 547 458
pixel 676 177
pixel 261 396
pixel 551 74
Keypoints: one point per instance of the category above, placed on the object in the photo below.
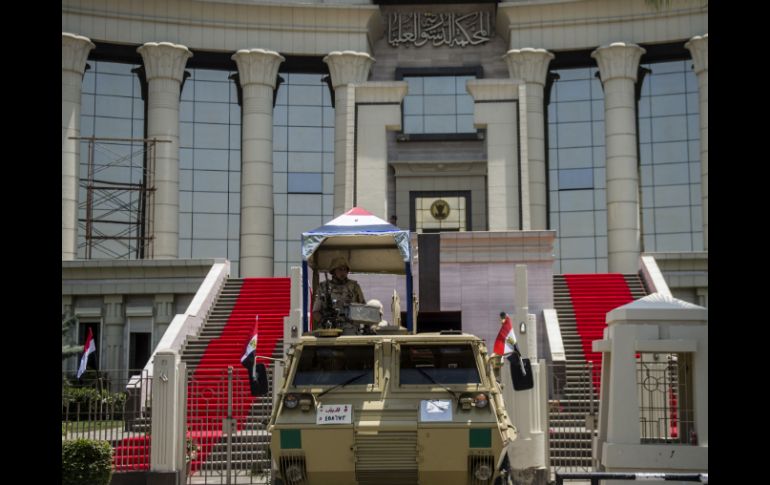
pixel 410 297
pixel 304 296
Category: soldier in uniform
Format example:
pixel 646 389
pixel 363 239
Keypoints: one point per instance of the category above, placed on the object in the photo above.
pixel 341 290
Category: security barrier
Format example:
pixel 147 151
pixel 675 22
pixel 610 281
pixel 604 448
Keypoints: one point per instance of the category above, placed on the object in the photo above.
pixel 595 477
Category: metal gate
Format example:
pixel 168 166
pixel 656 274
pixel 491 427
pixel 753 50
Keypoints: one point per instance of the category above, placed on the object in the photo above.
pixel 572 416
pixel 227 438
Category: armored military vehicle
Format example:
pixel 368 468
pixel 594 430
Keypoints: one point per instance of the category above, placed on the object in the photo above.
pixel 389 405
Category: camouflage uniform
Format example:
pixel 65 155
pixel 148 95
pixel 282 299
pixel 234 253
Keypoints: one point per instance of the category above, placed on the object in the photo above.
pixel 342 293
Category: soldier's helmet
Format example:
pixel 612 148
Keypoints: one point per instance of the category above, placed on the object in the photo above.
pixel 339 262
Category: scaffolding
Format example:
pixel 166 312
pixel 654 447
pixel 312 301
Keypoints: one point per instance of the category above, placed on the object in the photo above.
pixel 117 194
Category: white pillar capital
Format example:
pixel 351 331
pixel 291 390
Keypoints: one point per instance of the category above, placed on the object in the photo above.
pixel 699 50
pixel 164 60
pixel 348 67
pixel 74 52
pixel 618 60
pixel 528 64
pixel 258 66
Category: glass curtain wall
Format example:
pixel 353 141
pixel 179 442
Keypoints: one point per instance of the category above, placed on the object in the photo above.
pixel 210 167
pixel 303 163
pixel 438 104
pixel 210 157
pixel 111 107
pixel 669 156
pixel 578 208
pixel 669 149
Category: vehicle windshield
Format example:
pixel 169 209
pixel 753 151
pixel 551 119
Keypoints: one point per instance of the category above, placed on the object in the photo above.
pixel 331 365
pixel 444 364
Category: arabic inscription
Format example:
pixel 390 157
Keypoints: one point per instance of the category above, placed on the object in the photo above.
pixel 450 28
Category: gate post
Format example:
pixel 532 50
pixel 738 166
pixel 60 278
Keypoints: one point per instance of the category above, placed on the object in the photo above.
pixel 167 450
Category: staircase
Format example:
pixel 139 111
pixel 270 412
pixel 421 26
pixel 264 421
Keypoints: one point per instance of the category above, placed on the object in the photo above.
pixel 581 303
pixel 221 343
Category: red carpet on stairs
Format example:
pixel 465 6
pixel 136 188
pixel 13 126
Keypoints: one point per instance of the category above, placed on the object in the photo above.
pixel 593 295
pixel 267 298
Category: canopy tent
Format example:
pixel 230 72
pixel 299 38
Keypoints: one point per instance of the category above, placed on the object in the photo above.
pixel 370 244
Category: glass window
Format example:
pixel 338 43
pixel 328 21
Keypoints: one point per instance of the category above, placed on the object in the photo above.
pixel 305 183
pixel 211 136
pixel 330 366
pixel 433 105
pixel 438 364
pixel 111 107
pixel 576 179
pixel 576 158
pixel 303 159
pixel 668 185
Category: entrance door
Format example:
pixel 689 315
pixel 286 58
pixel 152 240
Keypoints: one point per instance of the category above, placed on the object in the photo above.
pixel 139 350
pixel 139 340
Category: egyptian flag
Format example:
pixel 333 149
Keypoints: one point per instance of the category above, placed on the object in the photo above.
pixel 251 349
pixel 506 339
pixel 88 349
pixel 248 360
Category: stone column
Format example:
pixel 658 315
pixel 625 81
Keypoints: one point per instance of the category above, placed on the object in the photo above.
pixel 346 68
pixel 257 71
pixel 164 66
pixel 498 107
pixel 74 52
pixel 618 66
pixel 379 110
pixel 699 49
pixel 115 341
pixel 531 65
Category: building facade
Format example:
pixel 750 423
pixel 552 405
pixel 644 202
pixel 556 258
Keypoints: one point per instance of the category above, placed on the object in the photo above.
pixel 197 129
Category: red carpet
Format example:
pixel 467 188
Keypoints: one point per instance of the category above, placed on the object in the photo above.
pixel 132 454
pixel 593 295
pixel 207 388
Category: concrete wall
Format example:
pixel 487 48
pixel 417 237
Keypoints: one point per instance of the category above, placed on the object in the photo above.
pixel 477 277
pixel 223 26
pixel 686 275
pixel 121 296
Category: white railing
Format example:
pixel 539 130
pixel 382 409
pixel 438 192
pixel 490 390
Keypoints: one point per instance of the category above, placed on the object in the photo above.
pixel 189 323
pixel 653 278
pixel 558 358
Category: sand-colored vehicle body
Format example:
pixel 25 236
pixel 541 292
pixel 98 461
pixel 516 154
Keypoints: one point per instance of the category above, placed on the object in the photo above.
pixel 390 409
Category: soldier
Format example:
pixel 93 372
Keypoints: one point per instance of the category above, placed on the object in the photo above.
pixel 342 292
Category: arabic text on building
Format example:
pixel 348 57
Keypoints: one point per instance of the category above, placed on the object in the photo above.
pixel 450 28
